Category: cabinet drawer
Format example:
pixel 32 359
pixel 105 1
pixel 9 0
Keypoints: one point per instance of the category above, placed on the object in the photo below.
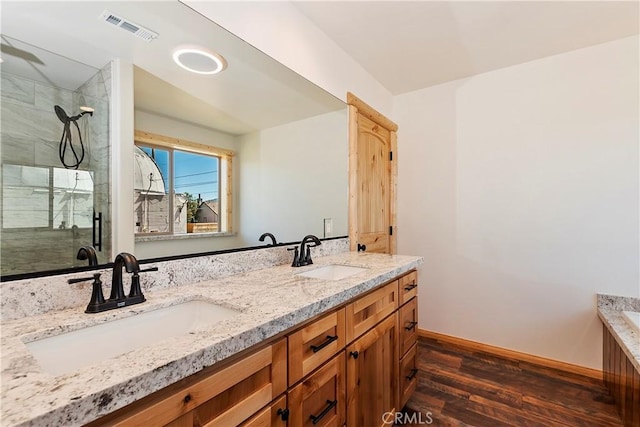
pixel 226 397
pixel 408 286
pixel 408 325
pixel 367 311
pixel 271 416
pixel 319 400
pixel 314 344
pixel 408 375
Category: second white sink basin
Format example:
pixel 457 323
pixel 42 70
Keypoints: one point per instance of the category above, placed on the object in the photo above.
pixel 74 350
pixel 333 272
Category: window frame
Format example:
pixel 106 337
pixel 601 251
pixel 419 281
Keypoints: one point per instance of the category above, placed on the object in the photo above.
pixel 225 195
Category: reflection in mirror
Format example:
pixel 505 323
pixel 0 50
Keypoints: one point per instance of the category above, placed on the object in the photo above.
pixel 288 138
pixel 48 210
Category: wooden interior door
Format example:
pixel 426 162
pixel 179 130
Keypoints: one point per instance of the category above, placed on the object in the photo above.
pixel 372 178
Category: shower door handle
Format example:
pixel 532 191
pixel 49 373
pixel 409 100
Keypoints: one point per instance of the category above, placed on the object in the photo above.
pixel 97 240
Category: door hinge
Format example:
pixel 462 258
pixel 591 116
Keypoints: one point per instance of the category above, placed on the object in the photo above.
pixel 390 155
pixel 391 230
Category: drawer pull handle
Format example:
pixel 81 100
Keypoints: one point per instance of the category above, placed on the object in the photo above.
pixel 283 413
pixel 187 398
pixel 412 325
pixel 412 286
pixel 329 340
pixel 354 354
pixel 412 374
pixel 315 419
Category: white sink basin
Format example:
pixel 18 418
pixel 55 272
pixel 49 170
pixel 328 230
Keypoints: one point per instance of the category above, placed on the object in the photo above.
pixel 333 272
pixel 71 351
pixel 633 319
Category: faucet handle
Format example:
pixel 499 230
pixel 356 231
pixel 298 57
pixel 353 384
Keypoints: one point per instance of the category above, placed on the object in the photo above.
pixel 97 298
pixel 95 277
pixel 296 256
pixel 136 291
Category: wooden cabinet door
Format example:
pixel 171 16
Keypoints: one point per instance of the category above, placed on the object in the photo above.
pixel 372 375
pixel 319 400
pixel 314 344
pixel 408 324
pixel 372 178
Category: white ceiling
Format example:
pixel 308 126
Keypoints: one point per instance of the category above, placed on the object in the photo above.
pixel 409 45
pixel 254 92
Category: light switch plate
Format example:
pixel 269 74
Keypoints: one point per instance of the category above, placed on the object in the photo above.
pixel 328 227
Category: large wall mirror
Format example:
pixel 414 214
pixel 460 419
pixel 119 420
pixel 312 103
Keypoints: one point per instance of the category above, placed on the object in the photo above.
pixel 286 138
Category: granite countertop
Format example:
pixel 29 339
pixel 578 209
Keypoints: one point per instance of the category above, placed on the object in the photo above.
pixel 610 308
pixel 270 301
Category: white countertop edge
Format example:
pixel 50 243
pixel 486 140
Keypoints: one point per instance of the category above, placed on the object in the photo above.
pixel 625 336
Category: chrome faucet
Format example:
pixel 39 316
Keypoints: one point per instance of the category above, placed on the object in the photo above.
pixel 302 256
pixel 271 236
pixel 88 252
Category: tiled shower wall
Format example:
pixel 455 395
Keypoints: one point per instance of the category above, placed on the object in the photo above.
pixel 30 136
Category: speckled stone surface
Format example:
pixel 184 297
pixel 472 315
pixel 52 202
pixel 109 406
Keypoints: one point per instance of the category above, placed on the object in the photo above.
pixel 270 301
pixel 47 294
pixel 610 308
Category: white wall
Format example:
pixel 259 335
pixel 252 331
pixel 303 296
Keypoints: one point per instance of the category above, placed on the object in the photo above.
pixel 520 189
pixel 292 177
pixel 148 122
pixel 281 31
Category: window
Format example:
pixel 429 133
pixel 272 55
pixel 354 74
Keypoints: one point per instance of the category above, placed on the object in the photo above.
pixel 180 187
pixel 46 197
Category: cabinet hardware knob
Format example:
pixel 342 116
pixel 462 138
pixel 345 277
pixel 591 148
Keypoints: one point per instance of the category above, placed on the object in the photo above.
pixel 411 326
pixel 354 354
pixel 329 340
pixel 283 413
pixel 315 419
pixel 187 398
pixel 412 374
pixel 362 248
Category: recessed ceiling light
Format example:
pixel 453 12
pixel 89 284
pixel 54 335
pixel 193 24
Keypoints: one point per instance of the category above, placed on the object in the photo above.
pixel 199 60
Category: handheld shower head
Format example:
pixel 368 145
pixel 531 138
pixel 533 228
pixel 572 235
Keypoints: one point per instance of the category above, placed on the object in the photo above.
pixel 62 115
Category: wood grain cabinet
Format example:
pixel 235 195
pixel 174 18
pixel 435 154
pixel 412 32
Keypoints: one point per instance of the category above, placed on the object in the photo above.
pixel 407 380
pixel 351 365
pixel 408 325
pixel 408 336
pixel 368 310
pixel 372 373
pixel 408 286
pixel 319 400
pixel 227 397
pixel 274 415
pixel 314 344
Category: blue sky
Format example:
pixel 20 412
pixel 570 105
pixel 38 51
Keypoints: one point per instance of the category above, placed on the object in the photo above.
pixel 194 173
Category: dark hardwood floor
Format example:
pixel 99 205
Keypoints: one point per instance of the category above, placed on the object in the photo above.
pixel 459 387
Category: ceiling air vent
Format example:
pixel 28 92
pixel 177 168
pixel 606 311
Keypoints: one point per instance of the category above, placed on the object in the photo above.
pixel 129 26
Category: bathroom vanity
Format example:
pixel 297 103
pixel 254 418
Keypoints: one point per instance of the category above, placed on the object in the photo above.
pixel 621 355
pixel 298 349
